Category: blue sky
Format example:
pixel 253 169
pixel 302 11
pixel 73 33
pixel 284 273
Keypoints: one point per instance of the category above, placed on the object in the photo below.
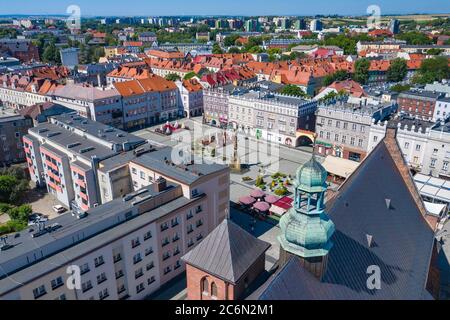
pixel 222 7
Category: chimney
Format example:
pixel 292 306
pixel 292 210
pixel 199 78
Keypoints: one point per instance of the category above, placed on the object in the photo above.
pixel 391 131
pixel 160 184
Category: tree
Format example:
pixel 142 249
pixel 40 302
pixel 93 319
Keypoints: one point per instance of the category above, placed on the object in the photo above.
pixel 173 77
pixel 397 70
pixel 415 38
pixel 230 40
pixel 434 51
pixel 190 75
pixel 361 74
pixel 434 69
pixel 337 76
pixel 255 49
pixel 234 50
pixel 292 90
pixel 20 213
pixel 400 87
pixel 51 54
pixel 217 49
pixel 7 184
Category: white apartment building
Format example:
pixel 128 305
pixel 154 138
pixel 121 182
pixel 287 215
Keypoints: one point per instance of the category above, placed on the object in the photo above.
pixel 425 145
pixel 125 249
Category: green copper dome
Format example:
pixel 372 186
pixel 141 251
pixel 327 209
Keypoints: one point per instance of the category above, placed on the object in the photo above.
pixel 306 230
pixel 306 235
pixel 312 177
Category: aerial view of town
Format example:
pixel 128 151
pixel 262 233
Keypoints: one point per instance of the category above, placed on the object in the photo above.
pixel 230 151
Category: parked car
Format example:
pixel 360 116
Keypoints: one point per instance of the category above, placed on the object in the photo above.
pixel 36 218
pixel 59 209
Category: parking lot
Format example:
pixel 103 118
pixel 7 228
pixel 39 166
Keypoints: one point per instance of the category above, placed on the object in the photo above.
pixel 42 202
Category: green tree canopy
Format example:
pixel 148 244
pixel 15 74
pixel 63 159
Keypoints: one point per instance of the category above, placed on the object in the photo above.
pixel 434 69
pixel 361 74
pixel 230 40
pixel 217 49
pixel 173 77
pixel 292 90
pixel 190 75
pixel 234 50
pixel 337 76
pixel 397 70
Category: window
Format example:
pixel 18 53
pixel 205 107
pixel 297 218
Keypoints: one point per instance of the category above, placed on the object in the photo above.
pixel 214 290
pixel 39 292
pixel 345 125
pixel 338 124
pixel 150 266
pixel 137 258
pixel 175 222
pixel 135 243
pixel 199 209
pixel 142 175
pixel 375 138
pixel 204 286
pixel 328 136
pixel 117 258
pixel 406 145
pixel 86 286
pixel 148 251
pixel 445 166
pixel 119 274
pixel 418 146
pixel 148 235
pixel 99 261
pixel 101 278
pixel 435 151
pixel 354 127
pixel 352 141
pixel 360 143
pixel 103 294
pixel 56 283
pixel 336 137
pixel 433 163
pixel 138 273
pixel 151 280
pixel 133 170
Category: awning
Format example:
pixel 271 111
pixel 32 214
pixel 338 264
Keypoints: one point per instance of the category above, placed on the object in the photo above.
pixel 339 167
pixel 435 209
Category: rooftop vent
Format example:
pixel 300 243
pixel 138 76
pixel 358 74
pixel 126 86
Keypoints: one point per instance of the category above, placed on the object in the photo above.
pixel 73 145
pixel 369 240
pixel 42 130
pixel 87 149
pixel 388 204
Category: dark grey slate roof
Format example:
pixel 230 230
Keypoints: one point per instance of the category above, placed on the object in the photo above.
pixel 227 252
pixel 401 247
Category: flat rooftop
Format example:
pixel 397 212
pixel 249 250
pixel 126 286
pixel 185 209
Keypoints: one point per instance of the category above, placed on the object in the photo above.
pixel 94 128
pixel 66 139
pixel 160 161
pixel 103 223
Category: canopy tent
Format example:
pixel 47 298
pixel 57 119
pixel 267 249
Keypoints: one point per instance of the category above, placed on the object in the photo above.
pixel 261 206
pixel 247 200
pixel 281 206
pixel 339 167
pixel 257 193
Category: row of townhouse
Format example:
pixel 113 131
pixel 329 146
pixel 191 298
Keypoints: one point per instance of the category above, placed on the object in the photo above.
pixel 423 104
pixel 425 145
pixel 126 105
pixel 123 250
pixel 262 114
pixel 343 129
pixel 18 92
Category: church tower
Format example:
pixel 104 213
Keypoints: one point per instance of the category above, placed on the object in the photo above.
pixel 306 229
